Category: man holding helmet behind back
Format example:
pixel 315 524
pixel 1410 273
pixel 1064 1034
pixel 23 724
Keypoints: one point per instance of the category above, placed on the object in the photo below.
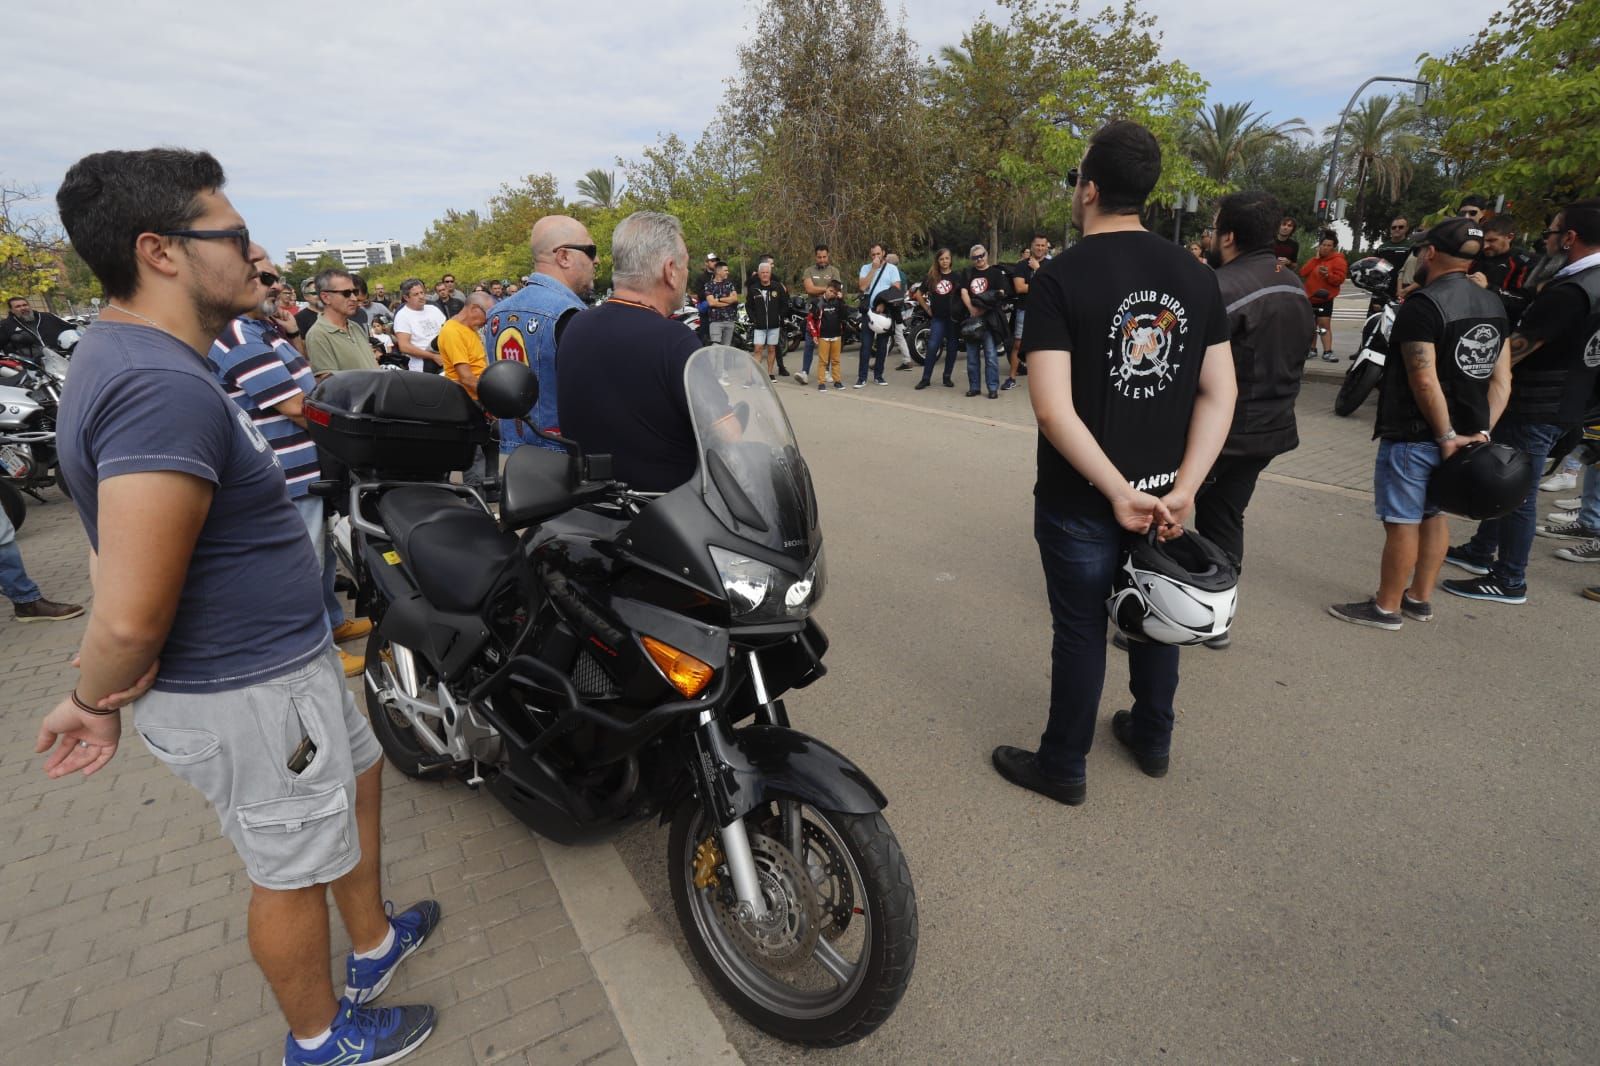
pixel 1447 390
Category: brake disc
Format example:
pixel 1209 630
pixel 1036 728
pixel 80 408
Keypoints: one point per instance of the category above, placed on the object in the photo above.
pixel 830 876
pixel 787 935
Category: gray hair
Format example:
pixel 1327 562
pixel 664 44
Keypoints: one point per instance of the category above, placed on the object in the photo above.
pixel 410 283
pixel 326 277
pixel 481 299
pixel 640 244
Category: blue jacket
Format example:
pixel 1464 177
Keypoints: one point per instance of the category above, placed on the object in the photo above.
pixel 523 327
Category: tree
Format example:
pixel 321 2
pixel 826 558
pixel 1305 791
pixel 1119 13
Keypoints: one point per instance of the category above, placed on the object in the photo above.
pixel 708 188
pixel 1522 100
pixel 841 153
pixel 1229 136
pixel 599 189
pixel 30 250
pixel 1380 142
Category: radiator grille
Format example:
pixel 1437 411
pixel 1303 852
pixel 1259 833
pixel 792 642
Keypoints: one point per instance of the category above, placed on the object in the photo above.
pixel 590 678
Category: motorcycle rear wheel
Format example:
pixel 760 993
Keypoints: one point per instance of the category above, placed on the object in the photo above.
pixel 919 345
pixel 15 506
pixel 395 734
pixel 868 909
pixel 1359 380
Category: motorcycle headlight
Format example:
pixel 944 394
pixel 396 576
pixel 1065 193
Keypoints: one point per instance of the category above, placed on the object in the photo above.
pixel 757 591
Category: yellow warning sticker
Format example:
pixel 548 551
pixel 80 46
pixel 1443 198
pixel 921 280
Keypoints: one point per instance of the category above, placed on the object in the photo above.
pixel 392 558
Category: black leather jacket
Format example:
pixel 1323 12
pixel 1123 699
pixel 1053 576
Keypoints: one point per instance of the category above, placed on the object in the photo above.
pixel 1271 327
pixel 24 337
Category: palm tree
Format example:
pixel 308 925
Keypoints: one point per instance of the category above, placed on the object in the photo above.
pixel 1380 140
pixel 1230 136
pixel 599 189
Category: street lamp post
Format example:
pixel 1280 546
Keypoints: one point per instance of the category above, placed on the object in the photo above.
pixel 1328 188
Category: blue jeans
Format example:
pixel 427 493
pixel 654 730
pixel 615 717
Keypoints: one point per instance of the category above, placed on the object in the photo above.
pixel 1080 555
pixel 810 353
pixel 1503 544
pixel 941 334
pixel 991 362
pixel 1589 512
pixel 1400 481
pixel 312 513
pixel 874 350
pixel 14 580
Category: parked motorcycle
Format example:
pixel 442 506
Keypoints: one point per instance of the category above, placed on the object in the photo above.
pixel 1367 370
pixel 11 501
pixel 599 656
pixel 917 325
pixel 30 393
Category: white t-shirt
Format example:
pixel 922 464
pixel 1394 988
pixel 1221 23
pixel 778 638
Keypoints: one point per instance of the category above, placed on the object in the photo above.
pixel 423 325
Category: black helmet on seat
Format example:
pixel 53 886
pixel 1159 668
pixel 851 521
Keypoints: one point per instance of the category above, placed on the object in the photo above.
pixel 1482 480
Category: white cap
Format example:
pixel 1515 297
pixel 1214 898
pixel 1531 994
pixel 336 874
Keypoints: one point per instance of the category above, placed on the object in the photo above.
pixel 711 255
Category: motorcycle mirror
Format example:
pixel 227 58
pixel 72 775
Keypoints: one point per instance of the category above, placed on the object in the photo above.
pixel 508 389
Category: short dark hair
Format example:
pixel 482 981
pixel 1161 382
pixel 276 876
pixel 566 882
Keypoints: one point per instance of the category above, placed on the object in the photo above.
pixel 1473 201
pixel 820 248
pixel 325 278
pixel 360 284
pixel 1289 219
pixel 1329 235
pixel 410 283
pixel 1501 224
pixel 1252 217
pixel 1583 218
pixel 15 299
pixel 1124 162
pixel 1038 235
pixel 107 199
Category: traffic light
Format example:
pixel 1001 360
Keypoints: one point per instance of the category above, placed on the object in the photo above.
pixel 1322 208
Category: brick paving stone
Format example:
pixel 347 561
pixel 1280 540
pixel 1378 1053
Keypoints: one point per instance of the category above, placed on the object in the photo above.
pixel 578 1044
pixel 122 908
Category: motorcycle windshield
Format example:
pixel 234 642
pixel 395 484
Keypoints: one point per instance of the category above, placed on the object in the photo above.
pixel 751 474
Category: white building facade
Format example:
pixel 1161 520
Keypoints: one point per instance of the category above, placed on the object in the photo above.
pixel 354 255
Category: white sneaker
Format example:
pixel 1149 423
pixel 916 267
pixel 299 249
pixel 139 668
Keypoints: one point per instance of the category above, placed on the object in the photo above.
pixel 1560 481
pixel 800 376
pixel 1570 504
pixel 1587 552
pixel 1561 518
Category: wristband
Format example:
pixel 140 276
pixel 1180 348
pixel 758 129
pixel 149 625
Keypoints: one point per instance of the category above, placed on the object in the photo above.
pixel 82 706
pixel 1449 435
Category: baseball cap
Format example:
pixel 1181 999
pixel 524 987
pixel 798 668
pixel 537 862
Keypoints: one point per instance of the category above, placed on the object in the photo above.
pixel 1458 237
pixel 710 256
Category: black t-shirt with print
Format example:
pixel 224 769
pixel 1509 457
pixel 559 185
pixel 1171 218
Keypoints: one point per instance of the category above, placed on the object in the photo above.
pixel 1024 270
pixel 943 301
pixel 978 282
pixel 1137 313
pixel 830 317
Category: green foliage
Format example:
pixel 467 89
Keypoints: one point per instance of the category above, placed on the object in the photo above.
pixel 599 189
pixel 1380 144
pixel 1529 85
pixel 1229 138
pixel 30 250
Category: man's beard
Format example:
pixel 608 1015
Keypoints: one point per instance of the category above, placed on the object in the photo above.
pixel 216 303
pixel 25 316
pixel 1213 256
pixel 268 308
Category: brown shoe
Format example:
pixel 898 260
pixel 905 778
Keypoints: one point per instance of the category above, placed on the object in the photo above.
pixel 350 629
pixel 353 664
pixel 43 610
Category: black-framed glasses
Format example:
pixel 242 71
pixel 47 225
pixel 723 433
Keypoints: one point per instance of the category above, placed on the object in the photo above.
pixel 1552 233
pixel 590 250
pixel 268 278
pixel 338 292
pixel 242 235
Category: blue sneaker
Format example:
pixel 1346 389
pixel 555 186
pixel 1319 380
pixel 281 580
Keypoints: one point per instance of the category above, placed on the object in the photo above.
pixel 365 979
pixel 366 1036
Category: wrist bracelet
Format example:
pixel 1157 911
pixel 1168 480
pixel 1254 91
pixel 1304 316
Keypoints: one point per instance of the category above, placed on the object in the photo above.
pixel 82 706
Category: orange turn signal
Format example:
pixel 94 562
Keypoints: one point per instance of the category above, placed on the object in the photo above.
pixel 686 673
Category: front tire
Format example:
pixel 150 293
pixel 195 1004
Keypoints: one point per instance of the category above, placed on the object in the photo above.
pixel 1360 380
pixel 863 902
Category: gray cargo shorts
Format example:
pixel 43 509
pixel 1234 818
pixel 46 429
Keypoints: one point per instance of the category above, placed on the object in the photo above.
pixel 292 830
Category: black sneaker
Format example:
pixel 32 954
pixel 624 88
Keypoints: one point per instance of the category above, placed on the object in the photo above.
pixel 922 385
pixel 1487 589
pixel 1460 558
pixel 971 393
pixel 949 384
pixel 1010 384
pixel 1122 729
pixel 1416 610
pixel 993 395
pixel 1021 768
pixel 1366 613
pixel 1566 531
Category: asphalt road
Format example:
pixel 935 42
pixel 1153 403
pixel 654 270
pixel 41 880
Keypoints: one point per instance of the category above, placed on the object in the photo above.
pixel 1372 847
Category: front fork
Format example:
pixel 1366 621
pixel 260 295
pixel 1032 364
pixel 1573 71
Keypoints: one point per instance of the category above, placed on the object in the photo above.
pixel 718 794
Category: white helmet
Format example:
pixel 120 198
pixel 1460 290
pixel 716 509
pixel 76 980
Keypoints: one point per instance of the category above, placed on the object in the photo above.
pixel 68 338
pixel 1181 591
pixel 878 323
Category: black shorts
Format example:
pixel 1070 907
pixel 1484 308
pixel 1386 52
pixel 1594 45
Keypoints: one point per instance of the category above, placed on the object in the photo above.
pixel 1322 310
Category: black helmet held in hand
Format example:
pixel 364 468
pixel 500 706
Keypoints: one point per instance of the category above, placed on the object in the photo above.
pixel 1374 274
pixel 1482 480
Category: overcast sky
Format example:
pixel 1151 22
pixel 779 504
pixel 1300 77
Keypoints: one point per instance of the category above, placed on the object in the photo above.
pixel 368 121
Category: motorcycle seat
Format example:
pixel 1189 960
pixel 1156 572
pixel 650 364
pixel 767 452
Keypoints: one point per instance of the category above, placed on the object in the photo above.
pixel 452 549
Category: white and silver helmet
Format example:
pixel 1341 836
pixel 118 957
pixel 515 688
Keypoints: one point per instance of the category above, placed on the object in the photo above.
pixel 878 323
pixel 1181 591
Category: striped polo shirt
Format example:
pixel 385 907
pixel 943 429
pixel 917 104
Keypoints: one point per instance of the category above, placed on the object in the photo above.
pixel 258 368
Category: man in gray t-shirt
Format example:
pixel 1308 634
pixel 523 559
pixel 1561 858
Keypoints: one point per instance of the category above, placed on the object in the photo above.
pixel 815 283
pixel 208 617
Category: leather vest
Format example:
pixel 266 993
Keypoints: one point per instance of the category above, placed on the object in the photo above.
pixel 1475 330
pixel 1554 384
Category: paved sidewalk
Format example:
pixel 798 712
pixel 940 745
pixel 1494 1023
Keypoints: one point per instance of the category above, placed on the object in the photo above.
pixel 122 909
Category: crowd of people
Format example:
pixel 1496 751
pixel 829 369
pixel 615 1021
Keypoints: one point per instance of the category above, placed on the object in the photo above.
pixel 1163 385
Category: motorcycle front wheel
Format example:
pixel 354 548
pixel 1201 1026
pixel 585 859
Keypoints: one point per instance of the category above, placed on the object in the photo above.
pixel 1359 380
pixel 834 955
pixel 15 506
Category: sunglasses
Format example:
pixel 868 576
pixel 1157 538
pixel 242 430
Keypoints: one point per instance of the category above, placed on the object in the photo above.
pixel 1072 177
pixel 589 250
pixel 338 292
pixel 1552 233
pixel 241 235
pixel 268 278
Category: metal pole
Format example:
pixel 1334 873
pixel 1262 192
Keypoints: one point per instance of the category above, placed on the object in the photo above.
pixel 1333 153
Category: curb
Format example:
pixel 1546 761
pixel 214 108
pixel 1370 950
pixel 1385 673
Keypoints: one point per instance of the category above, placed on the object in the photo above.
pixel 664 1015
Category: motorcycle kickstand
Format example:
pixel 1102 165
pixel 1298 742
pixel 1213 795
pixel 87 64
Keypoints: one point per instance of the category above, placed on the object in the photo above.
pixel 476 778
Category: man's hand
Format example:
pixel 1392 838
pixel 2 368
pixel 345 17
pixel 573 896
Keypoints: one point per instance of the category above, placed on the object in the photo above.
pixel 86 741
pixel 118 700
pixel 1479 279
pixel 284 320
pixel 1136 511
pixel 1447 448
pixel 1179 504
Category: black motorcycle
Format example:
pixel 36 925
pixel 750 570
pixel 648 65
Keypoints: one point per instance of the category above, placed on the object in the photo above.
pixel 1367 369
pixel 599 656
